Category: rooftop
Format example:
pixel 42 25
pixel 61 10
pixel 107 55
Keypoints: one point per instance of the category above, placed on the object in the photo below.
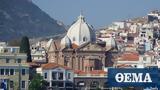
pixel 132 56
pixel 90 73
pixel 53 66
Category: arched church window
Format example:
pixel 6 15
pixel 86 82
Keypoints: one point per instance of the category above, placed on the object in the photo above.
pixel 74 39
pixel 84 39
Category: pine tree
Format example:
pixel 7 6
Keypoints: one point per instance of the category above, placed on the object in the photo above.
pixel 25 48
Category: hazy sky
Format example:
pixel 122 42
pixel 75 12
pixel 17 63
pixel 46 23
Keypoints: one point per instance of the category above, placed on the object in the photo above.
pixel 97 12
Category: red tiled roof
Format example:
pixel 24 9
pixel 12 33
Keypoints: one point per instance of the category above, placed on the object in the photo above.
pixel 80 72
pixel 54 65
pixel 130 57
pixel 123 65
pixel 97 72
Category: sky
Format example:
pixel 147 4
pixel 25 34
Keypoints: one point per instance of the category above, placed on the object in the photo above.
pixel 98 13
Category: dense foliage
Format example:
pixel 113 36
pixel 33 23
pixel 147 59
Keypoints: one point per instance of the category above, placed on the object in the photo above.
pixel 37 83
pixel 25 48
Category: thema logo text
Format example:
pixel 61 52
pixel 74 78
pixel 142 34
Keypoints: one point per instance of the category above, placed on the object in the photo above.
pixel 133 77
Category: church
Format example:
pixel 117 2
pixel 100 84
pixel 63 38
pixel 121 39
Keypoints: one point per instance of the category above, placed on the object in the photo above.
pixel 79 49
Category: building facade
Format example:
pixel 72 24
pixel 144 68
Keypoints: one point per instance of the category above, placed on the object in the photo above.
pixel 79 49
pixel 14 70
pixel 58 76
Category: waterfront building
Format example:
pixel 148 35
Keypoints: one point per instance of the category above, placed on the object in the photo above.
pixel 14 70
pixel 58 76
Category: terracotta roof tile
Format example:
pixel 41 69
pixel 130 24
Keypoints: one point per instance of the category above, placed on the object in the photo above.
pixel 130 57
pixel 98 72
pixel 123 66
pixel 54 65
pixel 80 72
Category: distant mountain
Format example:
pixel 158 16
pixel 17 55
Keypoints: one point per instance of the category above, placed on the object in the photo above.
pixel 23 18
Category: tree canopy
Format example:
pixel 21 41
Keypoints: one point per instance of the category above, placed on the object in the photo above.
pixel 25 48
pixel 37 83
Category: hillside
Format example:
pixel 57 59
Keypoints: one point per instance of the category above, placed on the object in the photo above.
pixel 23 18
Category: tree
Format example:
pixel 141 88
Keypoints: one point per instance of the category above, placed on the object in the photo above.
pixel 37 83
pixel 25 48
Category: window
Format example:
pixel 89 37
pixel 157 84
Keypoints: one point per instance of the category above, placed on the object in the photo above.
pixel 54 84
pixel 7 60
pixel 144 58
pixel 23 84
pixel 90 68
pixel 11 84
pixel 11 71
pixel 23 71
pixel 69 84
pixel 81 84
pixel 54 74
pixel 2 71
pixel 74 39
pixel 65 61
pixel 60 84
pixel 60 76
pixel 69 75
pixel 94 84
pixel 7 71
pixel 84 39
pixel 19 60
pixel 45 75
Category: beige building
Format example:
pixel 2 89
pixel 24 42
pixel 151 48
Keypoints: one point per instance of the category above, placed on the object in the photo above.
pixel 88 57
pixel 14 71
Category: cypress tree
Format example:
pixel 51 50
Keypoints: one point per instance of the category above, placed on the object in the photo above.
pixel 25 48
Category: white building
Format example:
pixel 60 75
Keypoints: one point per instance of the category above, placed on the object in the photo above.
pixel 117 25
pixel 58 76
pixel 133 28
pixel 38 54
pixel 134 60
pixel 8 49
pixel 79 33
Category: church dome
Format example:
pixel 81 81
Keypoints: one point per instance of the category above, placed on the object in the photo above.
pixel 66 42
pixel 81 32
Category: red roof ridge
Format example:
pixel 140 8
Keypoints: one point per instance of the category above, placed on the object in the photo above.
pixel 54 65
